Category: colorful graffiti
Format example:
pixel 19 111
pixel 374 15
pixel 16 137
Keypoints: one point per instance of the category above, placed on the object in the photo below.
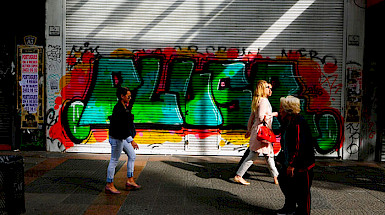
pixel 180 90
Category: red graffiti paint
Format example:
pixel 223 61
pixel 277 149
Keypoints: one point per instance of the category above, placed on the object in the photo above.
pixel 100 135
pixel 88 58
pixel 71 61
pixel 75 85
pixel 56 133
pixel 203 134
pixel 316 79
pixel 310 73
pixel 198 133
pixel 78 83
pixel 294 56
pixel 232 53
pixel 168 53
pixel 330 68
pixel 58 102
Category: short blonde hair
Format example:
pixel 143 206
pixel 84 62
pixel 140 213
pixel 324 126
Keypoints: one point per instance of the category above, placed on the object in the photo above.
pixel 290 104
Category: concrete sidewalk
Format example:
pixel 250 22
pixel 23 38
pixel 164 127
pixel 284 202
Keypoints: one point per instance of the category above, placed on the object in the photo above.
pixel 72 183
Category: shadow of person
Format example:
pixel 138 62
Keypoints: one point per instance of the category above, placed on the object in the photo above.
pixel 223 171
pixel 221 202
pixel 206 170
pixel 170 188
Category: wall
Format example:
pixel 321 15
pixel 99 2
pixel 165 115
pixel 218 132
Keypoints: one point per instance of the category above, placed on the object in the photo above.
pixel 373 87
pixel 183 103
pixel 55 61
pixel 355 20
pixel 194 98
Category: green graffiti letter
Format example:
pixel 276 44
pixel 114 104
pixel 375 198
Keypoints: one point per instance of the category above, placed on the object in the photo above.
pixel 229 86
pixel 149 109
pixel 202 110
pixel 103 96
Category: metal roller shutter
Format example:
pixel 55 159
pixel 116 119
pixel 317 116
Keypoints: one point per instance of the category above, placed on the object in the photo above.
pixel 314 28
pixel 269 25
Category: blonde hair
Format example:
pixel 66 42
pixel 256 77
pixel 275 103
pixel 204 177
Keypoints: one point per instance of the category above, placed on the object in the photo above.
pixel 258 94
pixel 290 104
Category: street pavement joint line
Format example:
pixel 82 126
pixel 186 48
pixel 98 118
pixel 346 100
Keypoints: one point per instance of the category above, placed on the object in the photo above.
pixel 95 205
pixel 41 168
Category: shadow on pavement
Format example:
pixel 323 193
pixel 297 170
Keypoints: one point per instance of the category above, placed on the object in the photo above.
pixel 358 176
pixel 187 188
pixel 366 177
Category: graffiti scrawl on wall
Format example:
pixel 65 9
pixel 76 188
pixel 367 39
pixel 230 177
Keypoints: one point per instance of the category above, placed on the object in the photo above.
pixel 182 91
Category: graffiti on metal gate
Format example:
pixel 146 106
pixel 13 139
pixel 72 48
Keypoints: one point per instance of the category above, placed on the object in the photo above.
pixel 181 89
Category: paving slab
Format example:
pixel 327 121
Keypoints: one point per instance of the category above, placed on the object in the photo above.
pixel 72 183
pixel 172 187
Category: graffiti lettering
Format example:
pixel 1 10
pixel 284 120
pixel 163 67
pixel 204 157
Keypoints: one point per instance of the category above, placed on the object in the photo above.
pixel 87 55
pixel 314 90
pixel 184 89
pixel 353 129
pixel 54 53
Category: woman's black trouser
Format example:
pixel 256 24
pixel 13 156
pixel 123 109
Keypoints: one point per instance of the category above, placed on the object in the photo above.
pixel 296 190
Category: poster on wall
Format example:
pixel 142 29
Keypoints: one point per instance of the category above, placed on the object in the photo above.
pixel 354 92
pixel 30 80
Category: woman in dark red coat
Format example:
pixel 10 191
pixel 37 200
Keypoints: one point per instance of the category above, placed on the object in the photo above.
pixel 296 159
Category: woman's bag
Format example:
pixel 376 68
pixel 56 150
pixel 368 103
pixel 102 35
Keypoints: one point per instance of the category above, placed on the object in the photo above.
pixel 264 133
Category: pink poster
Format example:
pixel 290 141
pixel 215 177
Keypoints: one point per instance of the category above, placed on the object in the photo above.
pixel 30 82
